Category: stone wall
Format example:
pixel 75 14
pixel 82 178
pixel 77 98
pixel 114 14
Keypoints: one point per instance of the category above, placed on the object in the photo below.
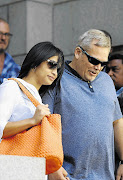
pixel 59 21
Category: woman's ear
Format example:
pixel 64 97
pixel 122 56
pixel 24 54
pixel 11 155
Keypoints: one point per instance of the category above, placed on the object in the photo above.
pixel 77 52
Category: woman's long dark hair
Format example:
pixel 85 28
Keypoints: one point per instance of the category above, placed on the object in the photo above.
pixel 38 54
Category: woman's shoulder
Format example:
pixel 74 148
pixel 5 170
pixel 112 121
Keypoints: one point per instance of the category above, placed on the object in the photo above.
pixel 8 83
pixel 8 87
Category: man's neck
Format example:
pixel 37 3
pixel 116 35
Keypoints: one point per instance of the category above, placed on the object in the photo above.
pixel 72 65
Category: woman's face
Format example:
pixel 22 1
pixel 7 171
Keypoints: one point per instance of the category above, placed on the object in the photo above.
pixel 44 74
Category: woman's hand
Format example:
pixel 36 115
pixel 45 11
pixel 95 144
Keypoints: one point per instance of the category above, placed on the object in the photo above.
pixel 59 175
pixel 13 128
pixel 40 112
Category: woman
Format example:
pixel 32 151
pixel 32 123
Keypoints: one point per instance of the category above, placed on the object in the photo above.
pixel 42 67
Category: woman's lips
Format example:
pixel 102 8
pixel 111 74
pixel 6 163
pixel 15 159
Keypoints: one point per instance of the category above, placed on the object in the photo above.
pixel 51 78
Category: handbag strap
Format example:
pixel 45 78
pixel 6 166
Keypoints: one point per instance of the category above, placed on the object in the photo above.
pixel 26 91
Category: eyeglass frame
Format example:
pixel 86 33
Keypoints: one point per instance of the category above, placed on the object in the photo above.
pixel 91 57
pixel 6 34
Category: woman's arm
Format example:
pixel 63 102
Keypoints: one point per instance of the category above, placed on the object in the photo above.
pixel 13 128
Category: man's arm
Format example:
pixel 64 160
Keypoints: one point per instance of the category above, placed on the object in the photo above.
pixel 118 135
pixel 50 99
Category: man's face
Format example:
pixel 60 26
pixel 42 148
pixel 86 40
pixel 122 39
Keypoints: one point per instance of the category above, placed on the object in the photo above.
pixel 4 40
pixel 115 71
pixel 85 69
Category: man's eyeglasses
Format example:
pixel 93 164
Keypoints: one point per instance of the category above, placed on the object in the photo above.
pixel 93 60
pixel 52 64
pixel 113 69
pixel 7 35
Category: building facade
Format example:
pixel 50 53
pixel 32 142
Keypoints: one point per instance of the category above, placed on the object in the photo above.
pixel 59 21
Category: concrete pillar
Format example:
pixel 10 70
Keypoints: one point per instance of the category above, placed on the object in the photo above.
pixel 21 168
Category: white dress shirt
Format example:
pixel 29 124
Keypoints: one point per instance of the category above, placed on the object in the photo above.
pixel 14 104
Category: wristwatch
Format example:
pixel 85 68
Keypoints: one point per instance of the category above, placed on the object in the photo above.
pixel 121 162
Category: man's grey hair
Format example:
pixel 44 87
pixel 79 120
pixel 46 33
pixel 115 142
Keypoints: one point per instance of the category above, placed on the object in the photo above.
pixel 103 39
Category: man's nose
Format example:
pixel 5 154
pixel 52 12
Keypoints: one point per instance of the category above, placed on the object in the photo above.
pixel 98 66
pixel 3 37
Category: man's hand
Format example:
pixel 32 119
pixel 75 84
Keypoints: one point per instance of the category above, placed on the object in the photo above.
pixel 119 175
pixel 59 175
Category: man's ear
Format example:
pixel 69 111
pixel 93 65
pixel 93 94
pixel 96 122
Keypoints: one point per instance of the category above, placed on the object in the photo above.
pixel 77 52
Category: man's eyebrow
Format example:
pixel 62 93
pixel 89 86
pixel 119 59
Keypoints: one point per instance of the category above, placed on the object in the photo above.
pixel 112 66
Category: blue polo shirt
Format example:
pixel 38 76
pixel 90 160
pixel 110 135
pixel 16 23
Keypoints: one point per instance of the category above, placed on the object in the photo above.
pixel 87 124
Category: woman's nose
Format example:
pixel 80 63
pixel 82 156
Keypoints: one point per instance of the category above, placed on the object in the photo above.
pixel 54 71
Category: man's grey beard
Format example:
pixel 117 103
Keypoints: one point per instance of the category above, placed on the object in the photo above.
pixel 2 51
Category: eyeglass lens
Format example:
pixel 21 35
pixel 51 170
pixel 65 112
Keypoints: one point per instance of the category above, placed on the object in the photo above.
pixel 93 60
pixel 52 64
pixel 5 34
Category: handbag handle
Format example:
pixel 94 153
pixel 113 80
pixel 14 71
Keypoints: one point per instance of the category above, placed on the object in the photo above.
pixel 26 91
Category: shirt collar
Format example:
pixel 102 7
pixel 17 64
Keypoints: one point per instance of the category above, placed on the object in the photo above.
pixel 71 69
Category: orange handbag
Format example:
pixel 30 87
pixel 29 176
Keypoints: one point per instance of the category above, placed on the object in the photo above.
pixel 43 140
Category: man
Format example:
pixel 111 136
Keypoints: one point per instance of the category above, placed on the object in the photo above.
pixel 114 69
pixel 8 68
pixel 89 109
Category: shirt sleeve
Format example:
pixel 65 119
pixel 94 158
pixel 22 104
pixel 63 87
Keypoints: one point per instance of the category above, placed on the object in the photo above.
pixel 7 102
pixel 117 113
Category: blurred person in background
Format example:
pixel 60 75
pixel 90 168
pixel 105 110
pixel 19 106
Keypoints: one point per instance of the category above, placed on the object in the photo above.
pixel 114 69
pixel 8 68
